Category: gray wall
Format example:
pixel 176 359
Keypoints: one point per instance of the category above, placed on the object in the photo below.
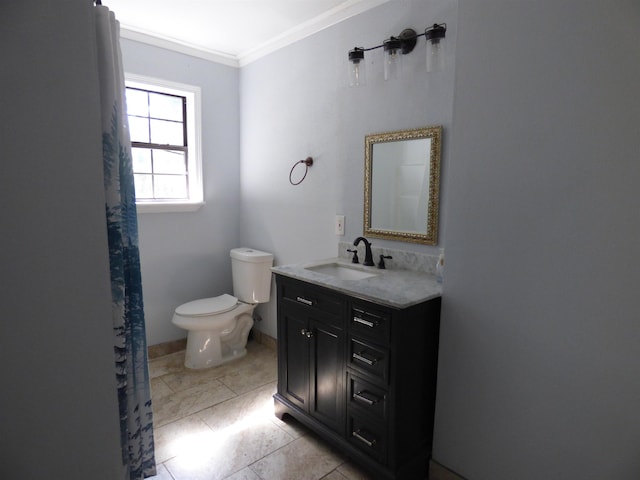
pixel 296 103
pixel 539 362
pixel 58 407
pixel 185 256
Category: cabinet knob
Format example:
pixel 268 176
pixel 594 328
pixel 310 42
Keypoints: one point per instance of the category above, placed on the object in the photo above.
pixel 306 333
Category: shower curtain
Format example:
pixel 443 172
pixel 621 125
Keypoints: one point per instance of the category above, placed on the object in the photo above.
pixel 134 395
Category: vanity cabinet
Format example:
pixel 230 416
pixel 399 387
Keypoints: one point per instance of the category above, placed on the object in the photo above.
pixel 360 374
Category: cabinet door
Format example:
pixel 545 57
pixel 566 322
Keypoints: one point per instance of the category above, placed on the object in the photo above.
pixel 328 375
pixel 295 383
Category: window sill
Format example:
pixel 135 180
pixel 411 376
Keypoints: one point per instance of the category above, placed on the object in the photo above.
pixel 168 207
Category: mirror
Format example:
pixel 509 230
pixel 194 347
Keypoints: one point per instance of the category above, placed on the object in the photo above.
pixel 402 185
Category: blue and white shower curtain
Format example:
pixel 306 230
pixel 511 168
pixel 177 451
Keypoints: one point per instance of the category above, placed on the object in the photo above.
pixel 134 395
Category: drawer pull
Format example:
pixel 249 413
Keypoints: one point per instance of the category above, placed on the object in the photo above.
pixel 369 361
pixel 369 401
pixel 305 301
pixel 365 322
pixel 360 436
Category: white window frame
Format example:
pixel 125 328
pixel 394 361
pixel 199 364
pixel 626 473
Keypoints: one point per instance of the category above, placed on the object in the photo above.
pixel 194 141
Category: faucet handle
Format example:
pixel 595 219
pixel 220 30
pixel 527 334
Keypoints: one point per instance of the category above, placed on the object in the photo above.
pixel 381 264
pixel 355 258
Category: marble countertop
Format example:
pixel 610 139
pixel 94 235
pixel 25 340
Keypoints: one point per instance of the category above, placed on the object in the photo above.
pixel 394 288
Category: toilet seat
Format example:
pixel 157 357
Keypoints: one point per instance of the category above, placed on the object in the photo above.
pixel 208 306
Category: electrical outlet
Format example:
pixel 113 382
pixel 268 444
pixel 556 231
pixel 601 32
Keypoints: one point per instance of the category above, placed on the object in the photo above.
pixel 339 224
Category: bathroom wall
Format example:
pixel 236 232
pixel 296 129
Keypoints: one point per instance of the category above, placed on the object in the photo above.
pixel 296 102
pixel 540 341
pixel 185 256
pixel 58 405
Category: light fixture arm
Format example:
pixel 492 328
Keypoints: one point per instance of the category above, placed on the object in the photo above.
pixel 407 38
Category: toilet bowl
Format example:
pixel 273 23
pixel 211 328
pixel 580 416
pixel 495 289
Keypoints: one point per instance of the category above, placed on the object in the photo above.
pixel 218 327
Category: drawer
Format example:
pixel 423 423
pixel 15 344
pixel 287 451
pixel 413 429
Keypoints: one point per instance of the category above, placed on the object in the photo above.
pixel 370 322
pixel 367 398
pixel 370 437
pixel 368 358
pixel 312 297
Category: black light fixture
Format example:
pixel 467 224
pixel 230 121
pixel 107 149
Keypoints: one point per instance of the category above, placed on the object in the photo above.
pixel 395 48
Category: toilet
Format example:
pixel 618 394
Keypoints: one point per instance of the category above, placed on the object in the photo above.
pixel 218 327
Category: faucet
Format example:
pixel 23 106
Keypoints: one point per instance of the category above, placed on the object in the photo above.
pixel 368 256
pixel 381 264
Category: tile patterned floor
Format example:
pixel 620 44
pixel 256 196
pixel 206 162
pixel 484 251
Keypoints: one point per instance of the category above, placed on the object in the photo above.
pixel 218 423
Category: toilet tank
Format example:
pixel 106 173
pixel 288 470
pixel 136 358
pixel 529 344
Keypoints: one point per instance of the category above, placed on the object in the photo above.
pixel 251 272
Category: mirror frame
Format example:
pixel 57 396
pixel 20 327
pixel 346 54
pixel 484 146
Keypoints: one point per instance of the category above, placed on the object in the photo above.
pixel 431 235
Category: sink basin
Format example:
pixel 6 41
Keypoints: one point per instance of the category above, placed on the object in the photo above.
pixel 343 272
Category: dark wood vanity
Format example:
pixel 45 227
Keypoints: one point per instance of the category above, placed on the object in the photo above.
pixel 360 374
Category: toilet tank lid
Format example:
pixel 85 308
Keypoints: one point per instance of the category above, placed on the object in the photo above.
pixel 208 306
pixel 251 255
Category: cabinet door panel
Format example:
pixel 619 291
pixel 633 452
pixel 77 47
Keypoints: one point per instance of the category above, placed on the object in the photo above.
pixel 297 353
pixel 328 376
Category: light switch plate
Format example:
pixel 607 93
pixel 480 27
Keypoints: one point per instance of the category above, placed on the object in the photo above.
pixel 339 224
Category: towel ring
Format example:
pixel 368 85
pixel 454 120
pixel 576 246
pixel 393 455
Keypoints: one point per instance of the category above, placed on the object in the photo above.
pixel 308 162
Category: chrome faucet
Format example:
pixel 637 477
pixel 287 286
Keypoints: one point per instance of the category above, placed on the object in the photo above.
pixel 368 256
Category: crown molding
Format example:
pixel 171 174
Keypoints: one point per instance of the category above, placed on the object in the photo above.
pixel 336 15
pixel 177 46
pixel 329 18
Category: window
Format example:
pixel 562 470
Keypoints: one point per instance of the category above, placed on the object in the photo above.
pixel 164 124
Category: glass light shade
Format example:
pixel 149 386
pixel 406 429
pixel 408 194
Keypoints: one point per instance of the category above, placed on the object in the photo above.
pixel 435 55
pixel 357 68
pixel 435 37
pixel 392 58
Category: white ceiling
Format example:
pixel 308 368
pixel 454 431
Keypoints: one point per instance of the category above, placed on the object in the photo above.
pixel 234 32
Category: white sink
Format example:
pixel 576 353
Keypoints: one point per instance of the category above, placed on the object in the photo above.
pixel 343 272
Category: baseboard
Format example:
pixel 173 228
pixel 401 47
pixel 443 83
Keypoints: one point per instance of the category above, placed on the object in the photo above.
pixel 440 472
pixel 166 348
pixel 264 339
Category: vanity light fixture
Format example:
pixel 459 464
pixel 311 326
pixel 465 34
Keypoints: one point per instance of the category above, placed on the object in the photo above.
pixel 395 48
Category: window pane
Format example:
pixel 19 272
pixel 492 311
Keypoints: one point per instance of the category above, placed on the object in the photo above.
pixel 137 103
pixel 169 161
pixel 139 129
pixel 141 160
pixel 144 185
pixel 171 186
pixel 167 107
pixel 166 133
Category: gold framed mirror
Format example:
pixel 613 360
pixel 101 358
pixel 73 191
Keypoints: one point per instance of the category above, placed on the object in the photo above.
pixel 402 185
